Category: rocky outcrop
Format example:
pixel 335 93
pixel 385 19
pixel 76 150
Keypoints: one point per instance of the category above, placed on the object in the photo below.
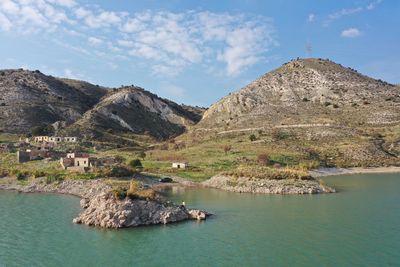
pixel 102 209
pixel 267 186
pixel 106 211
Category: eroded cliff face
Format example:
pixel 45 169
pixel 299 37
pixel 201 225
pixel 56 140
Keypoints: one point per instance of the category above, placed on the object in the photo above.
pixel 137 111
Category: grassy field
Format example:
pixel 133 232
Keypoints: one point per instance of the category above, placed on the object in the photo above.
pixel 298 149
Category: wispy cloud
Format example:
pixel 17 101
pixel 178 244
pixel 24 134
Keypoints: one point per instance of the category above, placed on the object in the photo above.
pixel 344 12
pixel 168 42
pixel 351 33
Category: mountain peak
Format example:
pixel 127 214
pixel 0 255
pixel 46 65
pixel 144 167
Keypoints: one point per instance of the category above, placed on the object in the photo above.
pixel 306 90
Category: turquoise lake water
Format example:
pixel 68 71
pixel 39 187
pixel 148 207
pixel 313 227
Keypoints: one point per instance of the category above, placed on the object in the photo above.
pixel 359 226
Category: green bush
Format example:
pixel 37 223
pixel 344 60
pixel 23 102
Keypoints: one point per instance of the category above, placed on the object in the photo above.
pixel 20 176
pixel 54 178
pixel 136 163
pixel 252 137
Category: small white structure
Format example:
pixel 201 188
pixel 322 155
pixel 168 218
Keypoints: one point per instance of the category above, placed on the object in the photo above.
pixel 180 165
pixel 55 139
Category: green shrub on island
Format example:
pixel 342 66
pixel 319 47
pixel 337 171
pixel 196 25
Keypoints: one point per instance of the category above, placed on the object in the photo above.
pixel 20 176
pixel 54 178
pixel 136 191
pixel 82 176
pixel 38 174
pixel 259 172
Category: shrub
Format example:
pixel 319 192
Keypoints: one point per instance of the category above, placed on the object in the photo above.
pixel 119 193
pixel 227 148
pixel 37 174
pixel 278 134
pixel 326 104
pixel 119 171
pixel 54 178
pixel 20 176
pixel 136 191
pixel 262 159
pixel 136 163
pixel 42 130
pixel 252 137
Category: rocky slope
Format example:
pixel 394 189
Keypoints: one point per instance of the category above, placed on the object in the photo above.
pixel 30 98
pixel 137 111
pixel 307 91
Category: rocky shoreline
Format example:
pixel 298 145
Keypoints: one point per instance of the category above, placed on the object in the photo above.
pixel 267 186
pixel 321 172
pixel 102 209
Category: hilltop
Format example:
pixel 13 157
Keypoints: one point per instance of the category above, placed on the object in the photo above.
pixel 31 98
pixel 307 91
pixel 136 111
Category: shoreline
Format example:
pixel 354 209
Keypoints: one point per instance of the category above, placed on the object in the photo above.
pixel 324 172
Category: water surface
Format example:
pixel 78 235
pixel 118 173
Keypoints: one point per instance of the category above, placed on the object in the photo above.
pixel 359 226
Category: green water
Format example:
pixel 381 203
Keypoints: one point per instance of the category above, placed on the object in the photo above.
pixel 360 226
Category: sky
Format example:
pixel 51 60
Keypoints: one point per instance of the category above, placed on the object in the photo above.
pixel 195 52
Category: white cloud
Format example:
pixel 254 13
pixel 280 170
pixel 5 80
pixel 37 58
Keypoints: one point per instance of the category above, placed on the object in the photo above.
pixel 350 11
pixel 311 17
pixel 95 41
pixel 351 33
pixel 373 5
pixel 69 74
pixel 9 7
pixel 168 42
pixel 5 23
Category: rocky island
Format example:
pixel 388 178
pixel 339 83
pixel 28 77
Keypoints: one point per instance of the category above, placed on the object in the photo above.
pixel 103 209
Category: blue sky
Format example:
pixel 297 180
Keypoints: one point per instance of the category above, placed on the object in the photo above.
pixel 195 52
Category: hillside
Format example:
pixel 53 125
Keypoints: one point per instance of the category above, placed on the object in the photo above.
pixel 133 110
pixel 307 91
pixel 30 98
pixel 305 114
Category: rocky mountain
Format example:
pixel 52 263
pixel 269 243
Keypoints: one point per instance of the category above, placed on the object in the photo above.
pixel 307 91
pixel 31 98
pixel 137 111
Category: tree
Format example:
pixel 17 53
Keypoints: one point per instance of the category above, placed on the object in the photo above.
pixel 263 159
pixel 136 163
pixel 252 137
pixel 42 130
pixel 227 148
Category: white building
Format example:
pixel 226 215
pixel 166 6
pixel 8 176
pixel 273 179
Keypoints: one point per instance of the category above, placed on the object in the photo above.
pixel 180 165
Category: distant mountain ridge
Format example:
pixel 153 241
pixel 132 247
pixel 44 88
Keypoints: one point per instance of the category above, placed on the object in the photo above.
pixel 30 99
